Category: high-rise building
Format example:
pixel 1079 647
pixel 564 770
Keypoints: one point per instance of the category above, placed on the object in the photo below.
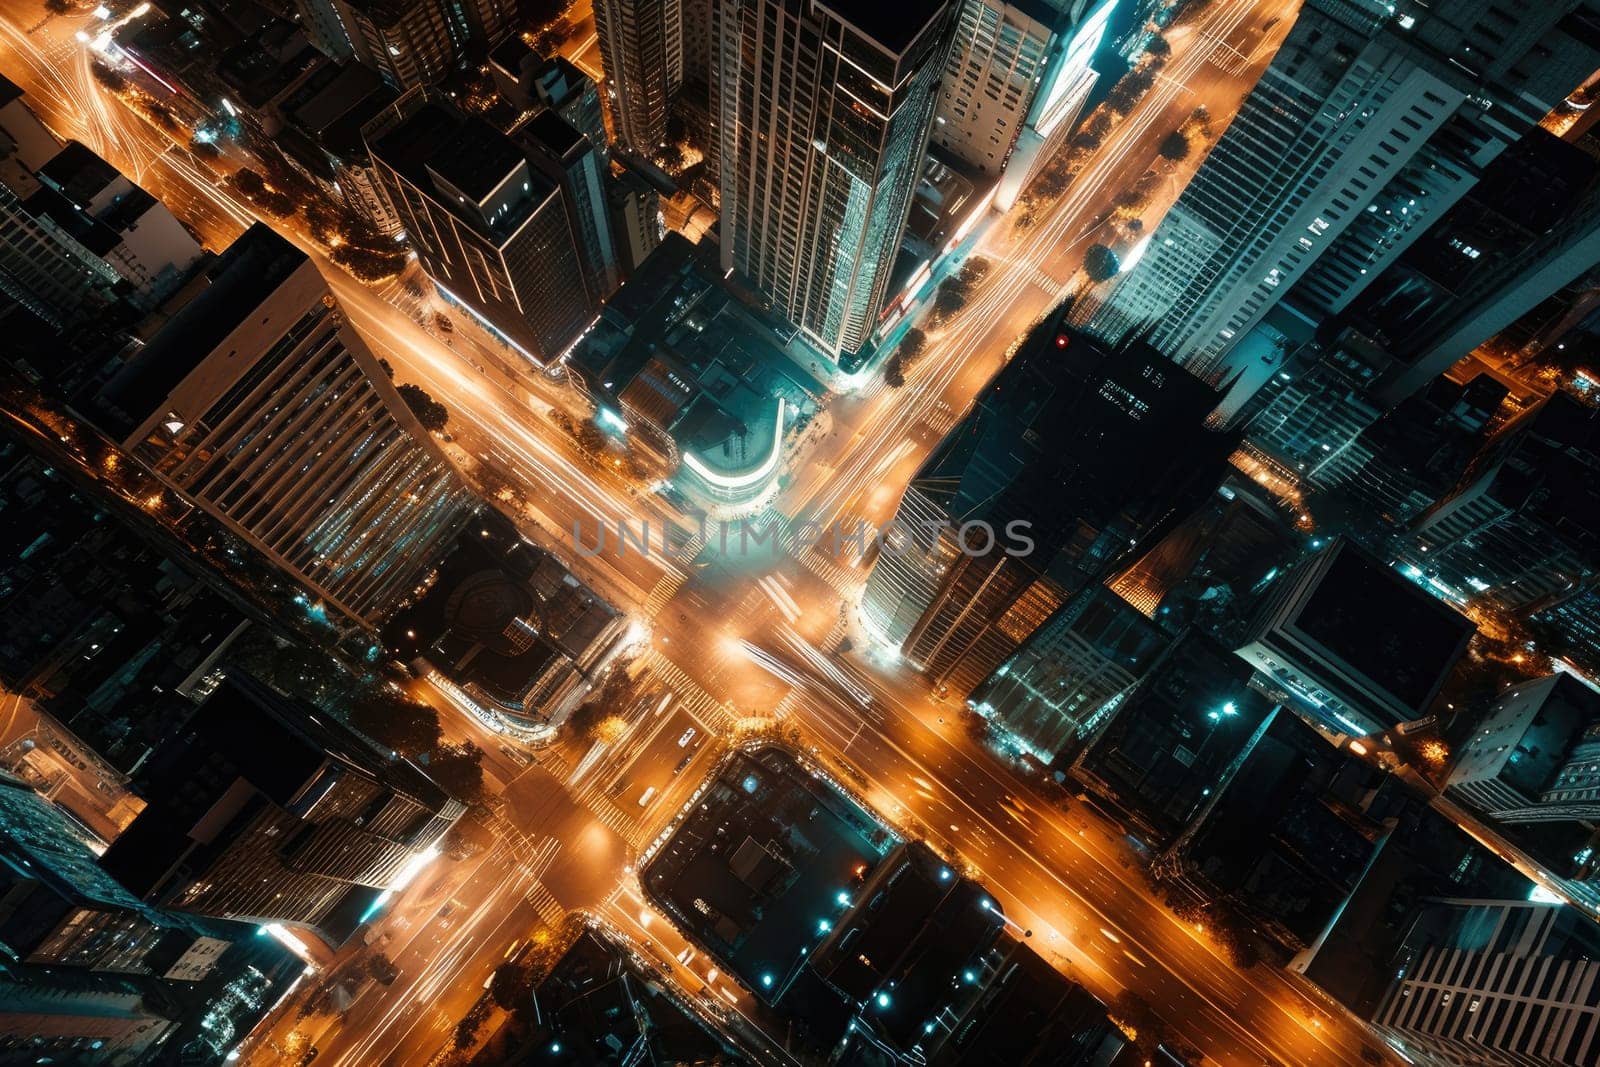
pixel 572 94
pixel 1522 531
pixel 265 810
pixel 1536 755
pixel 1074 669
pixel 1495 983
pixel 409 42
pixel 1015 83
pixel 1356 647
pixel 259 403
pixel 641 48
pixel 570 160
pixel 1165 746
pixel 1089 450
pixel 823 115
pixel 491 230
pixel 1367 125
pixel 75 234
pixel 636 224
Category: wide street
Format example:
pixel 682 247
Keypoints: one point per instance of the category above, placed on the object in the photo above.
pixel 746 639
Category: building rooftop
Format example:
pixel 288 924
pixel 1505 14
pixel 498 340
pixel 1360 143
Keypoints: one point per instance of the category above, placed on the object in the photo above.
pixel 246 273
pixel 1385 627
pixel 892 26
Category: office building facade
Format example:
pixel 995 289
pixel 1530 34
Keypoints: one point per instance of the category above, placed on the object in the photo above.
pixel 409 42
pixel 1534 758
pixel 1076 444
pixel 491 230
pixel 1499 983
pixel 576 166
pixel 823 114
pixel 266 810
pixel 641 48
pixel 1363 130
pixel 1070 673
pixel 258 403
pixel 1016 83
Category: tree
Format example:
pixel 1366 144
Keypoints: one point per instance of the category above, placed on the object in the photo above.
pixel 458 770
pixel 894 371
pixel 1158 46
pixel 432 414
pixel 407 728
pixel 381 969
pixel 58 7
pixel 366 264
pixel 387 368
pixel 510 986
pixel 112 79
pixel 1100 263
pixel 1174 146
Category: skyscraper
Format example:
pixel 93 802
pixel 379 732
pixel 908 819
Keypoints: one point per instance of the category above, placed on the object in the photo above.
pixel 1017 78
pixel 1522 531
pixel 1072 670
pixel 261 405
pixel 1535 756
pixel 1363 130
pixel 490 229
pixel 568 158
pixel 265 810
pixel 823 113
pixel 409 42
pixel 1355 646
pixel 641 47
pixel 1496 983
pixel 1091 450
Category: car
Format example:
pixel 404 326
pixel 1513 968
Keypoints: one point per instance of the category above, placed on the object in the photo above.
pixel 647 796
pixel 688 735
pixel 681 764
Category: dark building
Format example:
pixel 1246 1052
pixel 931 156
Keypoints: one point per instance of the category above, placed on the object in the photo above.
pixel 492 231
pixel 89 974
pixel 597 1005
pixel 107 627
pixel 265 810
pixel 1072 672
pixel 1168 742
pixel 514 637
pixel 578 167
pixel 1093 452
pixel 694 375
pixel 1535 757
pixel 1497 983
pixel 1282 837
pixel 1522 529
pixel 409 42
pixel 1355 646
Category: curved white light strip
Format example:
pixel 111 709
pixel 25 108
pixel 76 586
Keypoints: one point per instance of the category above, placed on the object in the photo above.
pixel 748 478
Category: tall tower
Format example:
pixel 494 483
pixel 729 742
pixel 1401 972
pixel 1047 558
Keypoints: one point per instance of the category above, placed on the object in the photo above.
pixel 260 404
pixel 409 42
pixel 1090 452
pixel 1364 129
pixel 823 114
pixel 490 228
pixel 641 46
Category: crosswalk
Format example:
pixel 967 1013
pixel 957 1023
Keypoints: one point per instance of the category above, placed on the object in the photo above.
pixel 695 700
pixel 1225 57
pixel 545 903
pixel 665 589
